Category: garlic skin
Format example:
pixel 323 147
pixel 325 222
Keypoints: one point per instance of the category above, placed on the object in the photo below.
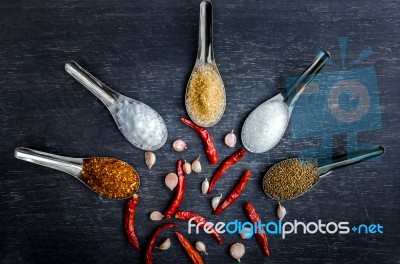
pixel 156 216
pixel 237 251
pixel 165 245
pixel 196 165
pixel 179 145
pixel 204 186
pixel 150 159
pixel 244 234
pixel 171 180
pixel 187 168
pixel 201 247
pixel 281 211
pixel 230 139
pixel 215 201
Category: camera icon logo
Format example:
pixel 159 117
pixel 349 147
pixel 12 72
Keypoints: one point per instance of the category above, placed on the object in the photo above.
pixel 344 101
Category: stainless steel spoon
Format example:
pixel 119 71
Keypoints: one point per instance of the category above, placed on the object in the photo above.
pixel 266 124
pixel 74 167
pixel 205 63
pixel 280 179
pixel 141 125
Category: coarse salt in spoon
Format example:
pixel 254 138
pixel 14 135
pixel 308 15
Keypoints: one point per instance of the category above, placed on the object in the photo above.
pixel 109 177
pixel 292 178
pixel 266 124
pixel 141 125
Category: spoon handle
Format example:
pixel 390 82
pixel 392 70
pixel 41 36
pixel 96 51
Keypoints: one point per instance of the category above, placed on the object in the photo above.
pixel 296 89
pixel 205 52
pixel 99 89
pixel 352 158
pixel 72 166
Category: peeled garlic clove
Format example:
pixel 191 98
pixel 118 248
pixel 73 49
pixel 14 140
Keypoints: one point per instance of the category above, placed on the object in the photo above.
pixel 150 159
pixel 187 168
pixel 201 247
pixel 215 201
pixel 171 180
pixel 165 245
pixel 179 145
pixel 204 186
pixel 237 251
pixel 245 233
pixel 281 212
pixel 156 216
pixel 230 139
pixel 196 165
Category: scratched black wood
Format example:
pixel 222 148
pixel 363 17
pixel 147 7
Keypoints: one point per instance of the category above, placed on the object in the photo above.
pixel 145 50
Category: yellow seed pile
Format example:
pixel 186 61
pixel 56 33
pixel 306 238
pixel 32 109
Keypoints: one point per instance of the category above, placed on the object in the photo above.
pixel 205 97
pixel 289 179
pixel 112 178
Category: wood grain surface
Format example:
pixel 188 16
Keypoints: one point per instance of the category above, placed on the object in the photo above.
pixel 146 50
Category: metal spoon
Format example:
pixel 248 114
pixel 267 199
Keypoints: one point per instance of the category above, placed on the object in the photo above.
pixel 205 63
pixel 75 167
pixel 281 179
pixel 141 125
pixel 266 124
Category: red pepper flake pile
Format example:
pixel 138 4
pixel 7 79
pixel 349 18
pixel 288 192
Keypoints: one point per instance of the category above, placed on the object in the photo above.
pixel 110 177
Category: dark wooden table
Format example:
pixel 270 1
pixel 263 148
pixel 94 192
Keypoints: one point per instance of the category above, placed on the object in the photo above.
pixel 145 50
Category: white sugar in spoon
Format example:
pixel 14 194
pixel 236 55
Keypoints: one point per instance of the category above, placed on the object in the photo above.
pixel 265 126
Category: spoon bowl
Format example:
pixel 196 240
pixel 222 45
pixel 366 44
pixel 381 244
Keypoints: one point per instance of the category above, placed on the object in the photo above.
pixel 265 126
pixel 292 178
pixel 141 125
pixel 205 97
pixel 108 177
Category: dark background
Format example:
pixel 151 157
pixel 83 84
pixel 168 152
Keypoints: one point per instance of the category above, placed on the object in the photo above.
pixel 146 50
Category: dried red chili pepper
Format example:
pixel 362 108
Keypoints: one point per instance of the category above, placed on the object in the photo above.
pixel 189 248
pixel 261 237
pixel 231 160
pixel 198 219
pixel 153 238
pixel 235 193
pixel 208 142
pixel 130 210
pixel 179 192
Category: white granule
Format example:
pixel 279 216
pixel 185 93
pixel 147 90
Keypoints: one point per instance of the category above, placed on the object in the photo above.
pixel 140 124
pixel 265 126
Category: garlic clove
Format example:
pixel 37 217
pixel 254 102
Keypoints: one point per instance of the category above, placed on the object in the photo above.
pixel 187 168
pixel 179 145
pixel 204 186
pixel 230 139
pixel 201 247
pixel 215 201
pixel 281 211
pixel 165 245
pixel 246 233
pixel 150 159
pixel 237 251
pixel 171 180
pixel 196 165
pixel 156 216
